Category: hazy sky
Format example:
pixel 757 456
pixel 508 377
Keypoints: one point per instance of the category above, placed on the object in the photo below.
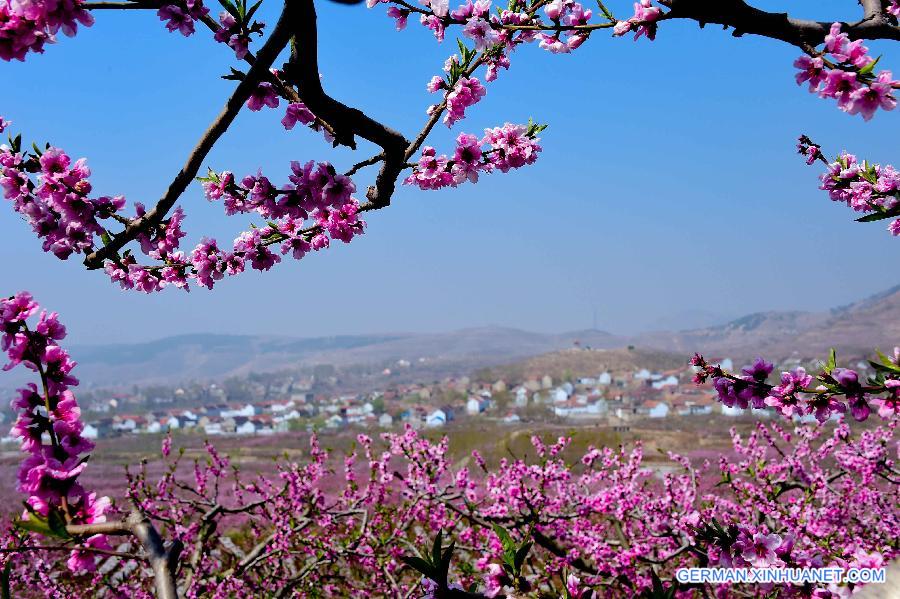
pixel 668 186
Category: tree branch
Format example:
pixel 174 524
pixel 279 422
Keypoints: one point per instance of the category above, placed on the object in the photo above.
pixel 347 122
pixel 259 71
pixel 748 19
pixel 163 559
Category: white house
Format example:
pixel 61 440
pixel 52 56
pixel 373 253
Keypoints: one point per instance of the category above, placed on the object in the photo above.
pixel 733 411
pixel 436 419
pixel 213 428
pixel 90 432
pixel 172 423
pixel 247 411
pixel 154 427
pixel 282 407
pixel 473 406
pixel 521 397
pixel 660 410
pixel 560 395
pixel 385 420
pixel 669 381
pixel 334 421
pixel 605 378
pixel 126 425
pixel 642 375
pixel 245 428
pixel 586 411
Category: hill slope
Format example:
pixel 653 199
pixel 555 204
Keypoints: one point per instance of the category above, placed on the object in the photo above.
pixel 853 329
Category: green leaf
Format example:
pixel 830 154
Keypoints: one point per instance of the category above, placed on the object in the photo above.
pixel 444 566
pixel 448 553
pixel 832 361
pixel 252 10
pixel 521 554
pixel 436 548
pixel 57 525
pixel 420 565
pixel 505 540
pixel 231 8
pixel 33 524
pixel 866 70
pixel 877 216
pixel 887 361
pixel 105 238
pixel 605 11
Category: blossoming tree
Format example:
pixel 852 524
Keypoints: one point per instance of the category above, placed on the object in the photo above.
pixel 317 204
pixel 400 519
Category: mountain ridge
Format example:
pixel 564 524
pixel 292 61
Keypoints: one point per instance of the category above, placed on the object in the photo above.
pixel 855 328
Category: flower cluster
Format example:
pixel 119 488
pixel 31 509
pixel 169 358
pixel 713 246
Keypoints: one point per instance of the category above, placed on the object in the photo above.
pixel 236 25
pixel 48 422
pixel 57 204
pixel 467 92
pixel 643 22
pixel 553 522
pixel 235 22
pixel 570 14
pixel 181 16
pixel 25 26
pixel 836 392
pixel 844 71
pixel 870 188
pixel 501 148
pixel 316 192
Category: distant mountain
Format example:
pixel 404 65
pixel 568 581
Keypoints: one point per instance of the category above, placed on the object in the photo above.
pixel 854 329
pixel 209 356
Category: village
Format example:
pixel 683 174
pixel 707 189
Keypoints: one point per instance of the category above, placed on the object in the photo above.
pixel 278 404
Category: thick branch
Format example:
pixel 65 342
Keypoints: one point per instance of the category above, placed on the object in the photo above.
pixel 258 72
pixel 163 559
pixel 748 19
pixel 303 69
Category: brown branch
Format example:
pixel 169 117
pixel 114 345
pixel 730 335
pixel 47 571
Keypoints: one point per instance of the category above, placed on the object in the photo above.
pixel 163 559
pixel 745 19
pixel 872 9
pixel 347 122
pixel 260 69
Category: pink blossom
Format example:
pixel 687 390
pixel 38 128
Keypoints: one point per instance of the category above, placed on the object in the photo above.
pixel 467 92
pixel 759 551
pixel 840 85
pixel 297 112
pixel 480 31
pixel 879 94
pixel 263 95
pixel 812 69
pixel 400 16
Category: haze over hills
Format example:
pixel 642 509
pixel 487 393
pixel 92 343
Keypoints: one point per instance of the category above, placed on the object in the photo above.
pixel 853 329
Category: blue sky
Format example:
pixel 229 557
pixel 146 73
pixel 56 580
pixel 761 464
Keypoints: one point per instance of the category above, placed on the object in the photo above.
pixel 668 185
